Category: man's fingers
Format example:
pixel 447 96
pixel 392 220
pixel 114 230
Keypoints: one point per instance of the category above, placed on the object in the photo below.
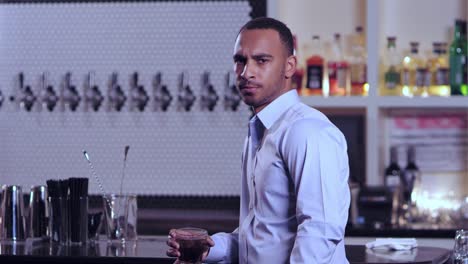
pixel 210 242
pixel 172 243
pixel 173 253
pixel 172 233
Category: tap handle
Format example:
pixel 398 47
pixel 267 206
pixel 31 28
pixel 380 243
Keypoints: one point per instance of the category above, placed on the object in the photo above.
pixel 189 98
pixel 157 79
pixel 231 94
pixel 142 99
pixel 28 98
pixel 161 95
pixel 51 99
pixel 186 98
pixel 116 95
pixel 98 98
pixel 209 95
pixel 47 96
pixel 166 98
pixel 1 98
pixel 93 95
pixel 134 80
pixel 139 96
pixel 74 97
pixel 26 94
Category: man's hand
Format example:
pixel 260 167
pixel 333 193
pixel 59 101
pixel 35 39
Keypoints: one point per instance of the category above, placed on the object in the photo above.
pixel 173 250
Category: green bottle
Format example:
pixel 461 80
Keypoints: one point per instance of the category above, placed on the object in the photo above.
pixel 458 71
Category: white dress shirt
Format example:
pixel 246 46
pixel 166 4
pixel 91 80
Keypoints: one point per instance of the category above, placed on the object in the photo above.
pixel 294 191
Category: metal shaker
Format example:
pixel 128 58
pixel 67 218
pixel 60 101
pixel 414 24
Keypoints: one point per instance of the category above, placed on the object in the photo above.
pixel 38 212
pixel 12 208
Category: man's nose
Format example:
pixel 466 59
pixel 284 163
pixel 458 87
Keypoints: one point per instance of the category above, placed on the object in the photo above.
pixel 247 71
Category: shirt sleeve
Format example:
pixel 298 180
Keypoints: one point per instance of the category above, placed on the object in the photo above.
pixel 225 249
pixel 315 154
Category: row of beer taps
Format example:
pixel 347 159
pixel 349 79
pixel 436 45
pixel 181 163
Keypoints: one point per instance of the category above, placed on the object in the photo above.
pixel 67 96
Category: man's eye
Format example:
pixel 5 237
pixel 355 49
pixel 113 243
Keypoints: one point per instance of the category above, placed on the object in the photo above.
pixel 239 62
pixel 261 61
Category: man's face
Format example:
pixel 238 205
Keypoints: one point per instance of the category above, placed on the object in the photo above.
pixel 261 66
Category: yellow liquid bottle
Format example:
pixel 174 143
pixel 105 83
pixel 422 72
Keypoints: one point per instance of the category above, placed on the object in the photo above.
pixel 358 64
pixel 414 73
pixel 439 69
pixel 390 85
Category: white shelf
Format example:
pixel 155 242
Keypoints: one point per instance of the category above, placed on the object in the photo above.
pixel 386 102
pixel 423 102
pixel 336 102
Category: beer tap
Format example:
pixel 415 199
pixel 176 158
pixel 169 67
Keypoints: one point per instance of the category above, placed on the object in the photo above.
pixel 138 96
pixel 92 95
pixel 47 96
pixel 209 97
pixel 69 94
pixel 1 98
pixel 231 94
pixel 161 95
pixel 186 97
pixel 23 95
pixel 115 94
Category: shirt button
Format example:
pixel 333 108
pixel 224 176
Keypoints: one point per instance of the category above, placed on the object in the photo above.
pixel 250 207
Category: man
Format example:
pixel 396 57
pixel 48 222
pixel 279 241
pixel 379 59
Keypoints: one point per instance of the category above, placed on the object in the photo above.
pixel 294 191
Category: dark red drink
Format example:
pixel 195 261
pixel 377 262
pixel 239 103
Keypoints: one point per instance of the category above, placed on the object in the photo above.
pixel 193 242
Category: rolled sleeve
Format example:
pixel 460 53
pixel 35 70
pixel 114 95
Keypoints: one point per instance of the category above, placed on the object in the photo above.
pixel 225 249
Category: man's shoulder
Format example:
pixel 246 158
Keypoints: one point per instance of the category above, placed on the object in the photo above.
pixel 303 116
pixel 303 123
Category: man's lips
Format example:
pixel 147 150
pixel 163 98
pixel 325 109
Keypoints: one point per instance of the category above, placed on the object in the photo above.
pixel 246 89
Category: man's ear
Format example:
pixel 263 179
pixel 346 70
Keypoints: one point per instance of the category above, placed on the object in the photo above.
pixel 290 67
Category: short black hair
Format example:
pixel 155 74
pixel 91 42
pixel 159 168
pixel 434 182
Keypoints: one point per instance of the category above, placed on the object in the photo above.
pixel 278 26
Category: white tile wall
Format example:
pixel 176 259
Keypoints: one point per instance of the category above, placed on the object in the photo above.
pixel 195 153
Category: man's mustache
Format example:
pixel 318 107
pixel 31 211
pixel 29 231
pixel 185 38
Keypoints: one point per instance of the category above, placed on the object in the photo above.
pixel 243 82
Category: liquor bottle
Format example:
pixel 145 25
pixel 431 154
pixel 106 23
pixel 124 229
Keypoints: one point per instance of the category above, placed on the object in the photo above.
pixel 411 174
pixel 439 71
pixel 393 171
pixel 338 76
pixel 358 64
pixel 315 69
pixel 421 87
pixel 458 49
pixel 414 73
pixel 391 85
pixel 299 74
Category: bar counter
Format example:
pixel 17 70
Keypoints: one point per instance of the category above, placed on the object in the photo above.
pixel 151 249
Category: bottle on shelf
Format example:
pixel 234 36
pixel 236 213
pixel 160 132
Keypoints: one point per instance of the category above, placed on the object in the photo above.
pixel 412 191
pixel 299 74
pixel 458 63
pixel 438 81
pixel 393 171
pixel 393 181
pixel 421 72
pixel 414 73
pixel 391 85
pixel 358 64
pixel 315 69
pixel 411 174
pixel 338 70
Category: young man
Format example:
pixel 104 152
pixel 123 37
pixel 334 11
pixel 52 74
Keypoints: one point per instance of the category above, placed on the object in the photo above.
pixel 294 191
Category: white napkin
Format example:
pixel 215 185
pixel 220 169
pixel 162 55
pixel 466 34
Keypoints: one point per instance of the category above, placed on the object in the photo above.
pixel 393 243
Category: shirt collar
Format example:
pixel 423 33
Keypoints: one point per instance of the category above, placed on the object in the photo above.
pixel 275 109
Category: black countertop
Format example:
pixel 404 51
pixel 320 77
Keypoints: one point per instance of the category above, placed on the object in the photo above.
pixel 151 249
pixel 399 232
